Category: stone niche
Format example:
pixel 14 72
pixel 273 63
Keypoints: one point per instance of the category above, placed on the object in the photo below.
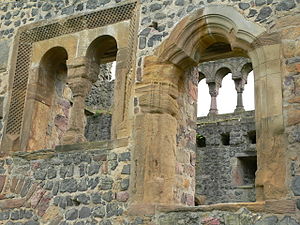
pixel 49 101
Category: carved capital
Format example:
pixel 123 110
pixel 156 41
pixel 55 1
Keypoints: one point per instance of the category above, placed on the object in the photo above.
pixel 213 89
pixel 79 86
pixel 239 85
pixel 82 67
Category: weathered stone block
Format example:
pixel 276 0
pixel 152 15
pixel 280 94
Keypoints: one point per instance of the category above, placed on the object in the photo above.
pixel 123 196
pixel 5 47
pixel 287 220
pixel 93 169
pixel 112 209
pixel 71 214
pixel 124 184
pixel 272 220
pixel 126 169
pixel 99 211
pixel 83 198
pixel 125 156
pixel 68 185
pixel 296 185
pixel 106 183
pixel 96 198
pixel 84 212
pixel 4 215
pixel 108 196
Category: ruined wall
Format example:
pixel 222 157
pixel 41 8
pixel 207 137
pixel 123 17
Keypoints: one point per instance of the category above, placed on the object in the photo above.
pixel 222 139
pixel 98 127
pixel 157 18
pixel 75 185
pixel 100 102
pixel 218 217
pixel 101 94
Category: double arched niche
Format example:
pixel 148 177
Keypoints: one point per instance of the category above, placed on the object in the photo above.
pixel 164 125
pixel 58 84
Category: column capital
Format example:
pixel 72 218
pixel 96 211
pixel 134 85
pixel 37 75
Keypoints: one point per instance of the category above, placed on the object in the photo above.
pixel 239 85
pixel 82 67
pixel 213 89
pixel 79 86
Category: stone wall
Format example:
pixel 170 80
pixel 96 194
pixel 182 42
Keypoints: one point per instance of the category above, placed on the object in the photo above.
pixel 98 127
pixel 159 17
pixel 224 141
pixel 243 216
pixel 61 187
pixel 102 92
pixel 100 102
pixel 80 184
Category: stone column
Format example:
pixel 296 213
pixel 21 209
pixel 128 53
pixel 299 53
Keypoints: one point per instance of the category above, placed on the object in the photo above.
pixel 239 87
pixel 153 175
pixel 272 172
pixel 81 75
pixel 213 91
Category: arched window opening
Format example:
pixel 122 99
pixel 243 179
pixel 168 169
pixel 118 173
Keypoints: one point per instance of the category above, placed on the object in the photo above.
pixel 103 53
pixel 51 102
pixel 227 95
pixel 227 127
pixel 201 141
pixel 248 94
pixel 203 98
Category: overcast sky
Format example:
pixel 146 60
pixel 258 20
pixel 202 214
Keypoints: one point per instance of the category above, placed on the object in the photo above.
pixel 226 99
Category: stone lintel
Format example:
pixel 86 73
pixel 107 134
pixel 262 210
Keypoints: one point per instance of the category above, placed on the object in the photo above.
pixel 245 154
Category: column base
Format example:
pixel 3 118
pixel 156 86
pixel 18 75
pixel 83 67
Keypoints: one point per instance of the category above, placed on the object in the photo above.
pixel 213 112
pixel 73 138
pixel 239 110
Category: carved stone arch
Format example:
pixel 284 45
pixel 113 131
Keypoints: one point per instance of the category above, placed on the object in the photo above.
pixel 45 87
pixel 155 179
pixel 101 50
pixel 222 71
pixel 104 47
pixel 245 70
pixel 201 76
pixel 187 42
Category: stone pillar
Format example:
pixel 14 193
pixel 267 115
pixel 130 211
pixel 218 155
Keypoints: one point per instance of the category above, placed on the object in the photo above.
pixel 239 87
pixel 81 75
pixel 271 175
pixel 153 175
pixel 213 91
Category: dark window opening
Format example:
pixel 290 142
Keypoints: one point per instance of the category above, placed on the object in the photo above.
pixel 225 138
pixel 248 167
pixel 201 141
pixel 252 136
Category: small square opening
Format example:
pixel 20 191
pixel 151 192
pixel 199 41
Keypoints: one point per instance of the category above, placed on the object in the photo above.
pixel 247 167
pixel 201 141
pixel 225 138
pixel 252 137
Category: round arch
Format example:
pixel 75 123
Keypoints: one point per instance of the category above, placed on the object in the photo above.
pixel 188 42
pixel 166 95
pixel 103 49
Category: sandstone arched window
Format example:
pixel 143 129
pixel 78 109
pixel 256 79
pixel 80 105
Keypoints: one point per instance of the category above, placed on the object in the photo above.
pixel 102 53
pixel 49 101
pixel 170 71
